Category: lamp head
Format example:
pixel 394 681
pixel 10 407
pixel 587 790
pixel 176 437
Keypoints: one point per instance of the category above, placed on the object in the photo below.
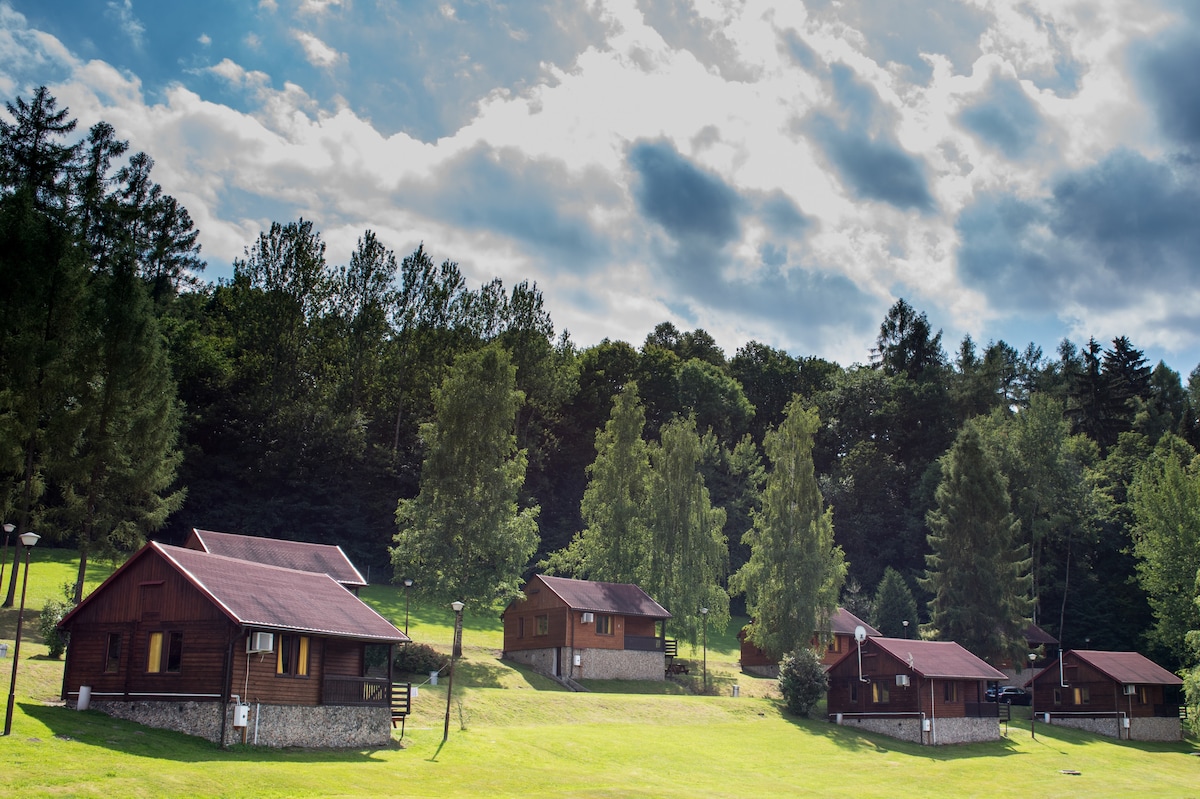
pixel 458 606
pixel 1032 656
pixel 29 539
pixel 9 527
pixel 703 611
pixel 408 582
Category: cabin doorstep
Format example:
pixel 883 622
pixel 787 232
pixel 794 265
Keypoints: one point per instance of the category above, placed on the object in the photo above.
pixel 232 651
pixel 586 630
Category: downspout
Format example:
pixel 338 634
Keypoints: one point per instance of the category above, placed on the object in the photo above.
pixel 932 713
pixel 571 627
pixel 226 686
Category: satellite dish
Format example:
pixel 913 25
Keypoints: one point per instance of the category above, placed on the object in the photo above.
pixel 860 633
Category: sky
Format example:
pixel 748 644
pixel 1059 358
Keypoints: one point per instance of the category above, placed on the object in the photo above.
pixel 781 172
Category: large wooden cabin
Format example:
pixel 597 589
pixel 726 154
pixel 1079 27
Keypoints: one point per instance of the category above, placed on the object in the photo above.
pixel 185 640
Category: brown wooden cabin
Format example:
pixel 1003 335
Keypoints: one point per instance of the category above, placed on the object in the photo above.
pixel 300 555
pixel 1118 694
pixel 841 636
pixel 177 637
pixel 931 692
pixel 581 629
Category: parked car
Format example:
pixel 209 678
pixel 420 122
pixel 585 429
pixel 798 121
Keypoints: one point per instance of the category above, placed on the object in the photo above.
pixel 1008 695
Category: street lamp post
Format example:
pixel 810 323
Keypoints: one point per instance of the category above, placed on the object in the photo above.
pixel 905 623
pixel 28 540
pixel 704 616
pixel 407 586
pixel 8 531
pixel 1032 699
pixel 455 651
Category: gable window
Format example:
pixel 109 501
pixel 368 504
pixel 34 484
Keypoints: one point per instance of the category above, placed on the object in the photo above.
pixel 950 691
pixel 542 625
pixel 164 652
pixel 604 624
pixel 292 658
pixel 880 693
pixel 112 654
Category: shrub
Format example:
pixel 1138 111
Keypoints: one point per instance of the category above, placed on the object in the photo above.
pixel 801 680
pixel 420 659
pixel 54 638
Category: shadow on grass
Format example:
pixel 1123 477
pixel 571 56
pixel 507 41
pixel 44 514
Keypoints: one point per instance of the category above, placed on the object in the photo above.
pixel 93 728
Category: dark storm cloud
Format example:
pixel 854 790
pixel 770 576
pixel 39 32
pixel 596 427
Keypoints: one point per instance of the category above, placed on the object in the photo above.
pixel 857 139
pixel 503 191
pixel 1168 69
pixel 688 202
pixel 1126 227
pixel 1004 117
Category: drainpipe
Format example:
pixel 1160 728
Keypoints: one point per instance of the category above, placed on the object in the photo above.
pixel 226 686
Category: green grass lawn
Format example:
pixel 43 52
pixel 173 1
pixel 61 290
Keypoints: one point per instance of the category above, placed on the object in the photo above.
pixel 513 732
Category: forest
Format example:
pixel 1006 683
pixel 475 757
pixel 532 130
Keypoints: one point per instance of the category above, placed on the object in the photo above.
pixel 365 398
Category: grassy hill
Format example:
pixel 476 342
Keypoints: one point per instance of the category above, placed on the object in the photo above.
pixel 513 732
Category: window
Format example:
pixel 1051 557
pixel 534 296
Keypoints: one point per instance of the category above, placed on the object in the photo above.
pixel 1083 695
pixel 156 663
pixel 1143 694
pixel 604 625
pixel 950 691
pixel 1058 696
pixel 880 694
pixel 854 690
pixel 291 660
pixel 112 654
pixel 542 625
pixel 835 644
pixel 520 626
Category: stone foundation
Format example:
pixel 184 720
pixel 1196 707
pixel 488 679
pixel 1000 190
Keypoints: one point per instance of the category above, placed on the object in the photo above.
pixel 595 664
pixel 1140 729
pixel 762 671
pixel 944 731
pixel 328 726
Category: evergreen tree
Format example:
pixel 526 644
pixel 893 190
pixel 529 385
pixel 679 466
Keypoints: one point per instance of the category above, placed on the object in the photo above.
pixel 688 558
pixel 977 572
pixel 464 533
pixel 795 571
pixel 894 605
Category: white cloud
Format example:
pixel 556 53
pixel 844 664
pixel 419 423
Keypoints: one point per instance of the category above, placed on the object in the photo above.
pixel 316 51
pixel 131 26
pixel 204 39
pixel 317 6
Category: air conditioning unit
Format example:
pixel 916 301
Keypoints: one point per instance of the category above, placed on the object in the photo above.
pixel 588 618
pixel 260 642
pixel 902 680
pixel 1130 690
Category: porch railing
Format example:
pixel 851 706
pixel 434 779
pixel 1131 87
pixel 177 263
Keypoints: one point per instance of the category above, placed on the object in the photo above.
pixel 355 691
pixel 644 643
pixel 982 710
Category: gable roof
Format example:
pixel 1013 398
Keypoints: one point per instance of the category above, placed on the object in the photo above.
pixel 1036 635
pixel 1125 667
pixel 267 597
pixel 622 599
pixel 299 555
pixel 843 622
pixel 936 659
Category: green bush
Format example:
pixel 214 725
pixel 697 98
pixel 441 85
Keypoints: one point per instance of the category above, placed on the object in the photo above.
pixel 55 639
pixel 802 680
pixel 420 659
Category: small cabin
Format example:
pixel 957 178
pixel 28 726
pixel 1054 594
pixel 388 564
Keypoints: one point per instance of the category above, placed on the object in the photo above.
pixel 1119 694
pixel 582 629
pixel 232 651
pixel 839 639
pixel 928 692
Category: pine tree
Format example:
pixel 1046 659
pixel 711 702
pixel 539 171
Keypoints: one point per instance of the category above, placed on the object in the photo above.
pixel 894 605
pixel 977 571
pixel 464 534
pixel 795 571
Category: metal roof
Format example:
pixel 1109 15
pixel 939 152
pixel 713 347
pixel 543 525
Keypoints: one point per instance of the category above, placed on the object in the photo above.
pixel 938 659
pixel 843 622
pixel 622 599
pixel 1131 668
pixel 299 555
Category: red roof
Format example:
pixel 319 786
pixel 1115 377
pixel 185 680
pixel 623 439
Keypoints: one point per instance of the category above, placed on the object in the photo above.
pixel 843 622
pixel 1130 668
pixel 1037 636
pixel 621 599
pixel 269 597
pixel 299 555
pixel 938 659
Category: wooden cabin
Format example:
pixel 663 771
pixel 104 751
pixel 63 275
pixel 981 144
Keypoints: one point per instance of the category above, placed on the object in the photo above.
pixel 839 638
pixel 581 629
pixel 929 692
pixel 1118 694
pixel 300 555
pixel 220 647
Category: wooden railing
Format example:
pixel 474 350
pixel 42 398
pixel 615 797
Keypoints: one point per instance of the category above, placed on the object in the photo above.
pixel 355 691
pixel 983 710
pixel 644 643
